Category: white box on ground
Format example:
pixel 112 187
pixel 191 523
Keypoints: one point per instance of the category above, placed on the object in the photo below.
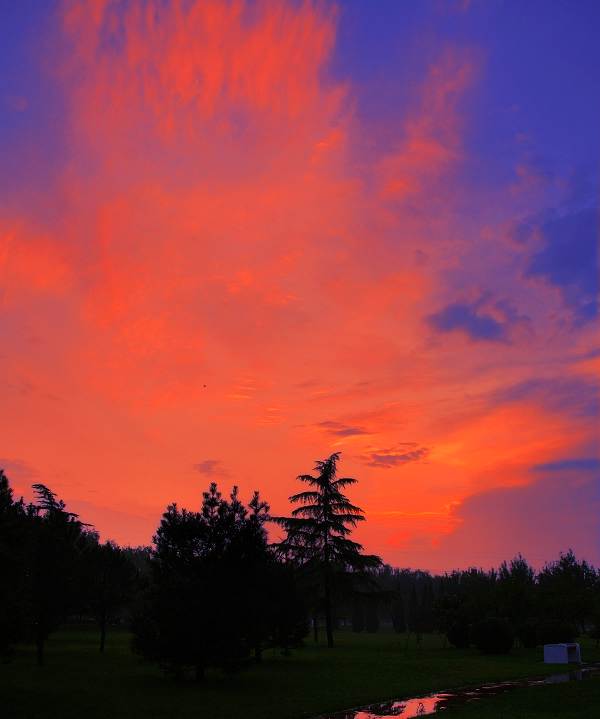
pixel 562 653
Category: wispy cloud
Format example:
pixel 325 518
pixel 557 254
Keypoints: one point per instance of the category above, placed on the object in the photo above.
pixel 568 259
pixel 478 326
pixel 483 319
pixel 572 464
pixel 211 468
pixel 339 429
pixel 578 396
pixel 18 469
pixel 394 457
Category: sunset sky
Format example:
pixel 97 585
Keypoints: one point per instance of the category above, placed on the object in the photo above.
pixel 238 236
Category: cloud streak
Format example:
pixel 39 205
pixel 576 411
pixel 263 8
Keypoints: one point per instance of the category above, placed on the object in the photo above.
pixel 568 259
pixel 211 468
pixel 394 457
pixel 466 318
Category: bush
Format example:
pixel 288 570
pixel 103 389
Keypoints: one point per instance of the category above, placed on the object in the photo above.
pixel 458 634
pixel 594 633
pixel 371 618
pixel 528 634
pixel 554 632
pixel 492 636
pixel 358 616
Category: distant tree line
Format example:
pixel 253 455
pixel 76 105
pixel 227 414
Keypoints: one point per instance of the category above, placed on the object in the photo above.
pixel 491 609
pixel 212 591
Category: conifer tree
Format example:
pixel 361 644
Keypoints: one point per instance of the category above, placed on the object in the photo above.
pixel 216 593
pixel 57 541
pixel 13 533
pixel 317 531
pixel 111 581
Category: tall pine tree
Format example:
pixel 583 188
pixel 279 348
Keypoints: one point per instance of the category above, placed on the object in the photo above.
pixel 317 532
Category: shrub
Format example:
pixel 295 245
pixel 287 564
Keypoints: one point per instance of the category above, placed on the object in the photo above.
pixel 458 634
pixel 492 636
pixel 555 632
pixel 528 633
pixel 371 618
pixel 358 616
pixel 594 633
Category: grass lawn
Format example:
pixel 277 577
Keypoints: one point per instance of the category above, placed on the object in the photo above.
pixel 575 700
pixel 78 681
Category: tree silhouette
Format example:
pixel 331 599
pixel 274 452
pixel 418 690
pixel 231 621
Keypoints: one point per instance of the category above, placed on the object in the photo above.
pixel 111 581
pixel 210 603
pixel 515 597
pixel 566 589
pixel 13 597
pixel 317 532
pixel 58 541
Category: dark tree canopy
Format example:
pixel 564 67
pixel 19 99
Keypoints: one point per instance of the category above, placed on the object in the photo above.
pixel 13 594
pixel 59 542
pixel 111 579
pixel 210 603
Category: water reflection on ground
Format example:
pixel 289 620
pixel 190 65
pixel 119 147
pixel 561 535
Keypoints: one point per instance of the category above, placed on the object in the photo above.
pixel 432 703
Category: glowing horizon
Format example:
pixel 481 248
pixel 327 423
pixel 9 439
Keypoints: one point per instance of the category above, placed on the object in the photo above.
pixel 238 236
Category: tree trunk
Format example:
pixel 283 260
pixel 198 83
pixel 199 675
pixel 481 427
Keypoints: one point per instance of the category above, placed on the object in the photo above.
pixel 102 632
pixel 316 628
pixel 39 646
pixel 328 617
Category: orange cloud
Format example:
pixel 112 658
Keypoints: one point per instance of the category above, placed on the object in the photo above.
pixel 31 262
pixel 432 142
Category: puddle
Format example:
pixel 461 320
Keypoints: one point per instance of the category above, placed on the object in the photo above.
pixel 433 703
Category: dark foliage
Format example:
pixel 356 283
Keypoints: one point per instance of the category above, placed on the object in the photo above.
pixel 54 569
pixel 112 577
pixel 459 634
pixel 371 615
pixel 317 534
pixel 397 616
pixel 57 548
pixel 568 590
pixel 594 633
pixel 213 593
pixel 217 593
pixel 564 594
pixel 13 595
pixel 555 632
pixel 358 614
pixel 527 633
pixel 515 590
pixel 492 636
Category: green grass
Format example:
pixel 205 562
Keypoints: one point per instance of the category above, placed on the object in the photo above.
pixel 78 681
pixel 574 700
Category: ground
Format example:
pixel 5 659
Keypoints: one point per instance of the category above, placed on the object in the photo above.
pixel 78 681
pixel 576 700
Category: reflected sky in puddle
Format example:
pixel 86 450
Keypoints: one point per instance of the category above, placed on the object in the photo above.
pixel 433 703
